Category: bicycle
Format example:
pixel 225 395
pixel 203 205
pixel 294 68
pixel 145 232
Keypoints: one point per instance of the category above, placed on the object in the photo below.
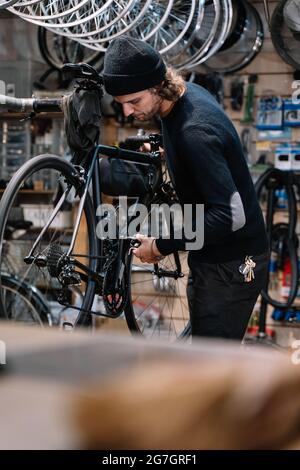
pixel 151 298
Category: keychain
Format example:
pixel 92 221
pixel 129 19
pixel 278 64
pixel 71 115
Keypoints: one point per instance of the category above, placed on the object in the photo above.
pixel 247 269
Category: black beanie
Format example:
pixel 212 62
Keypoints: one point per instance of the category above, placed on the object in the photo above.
pixel 131 65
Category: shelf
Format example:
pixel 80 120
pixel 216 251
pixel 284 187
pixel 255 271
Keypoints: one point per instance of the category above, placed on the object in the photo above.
pixel 285 324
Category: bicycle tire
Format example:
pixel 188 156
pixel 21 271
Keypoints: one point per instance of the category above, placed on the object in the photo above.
pixel 277 25
pixel 32 298
pixel 67 170
pixel 225 53
pixel 291 245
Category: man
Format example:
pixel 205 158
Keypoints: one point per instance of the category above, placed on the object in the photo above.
pixel 207 166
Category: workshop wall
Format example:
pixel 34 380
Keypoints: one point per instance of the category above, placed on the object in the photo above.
pixel 274 75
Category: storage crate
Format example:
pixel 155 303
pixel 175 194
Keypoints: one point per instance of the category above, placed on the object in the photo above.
pixel 39 214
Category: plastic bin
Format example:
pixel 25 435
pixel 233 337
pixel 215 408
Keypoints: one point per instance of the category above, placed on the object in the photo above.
pixel 39 214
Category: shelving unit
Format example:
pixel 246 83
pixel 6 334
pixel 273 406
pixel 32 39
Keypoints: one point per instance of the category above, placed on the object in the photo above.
pixel 15 148
pixel 22 139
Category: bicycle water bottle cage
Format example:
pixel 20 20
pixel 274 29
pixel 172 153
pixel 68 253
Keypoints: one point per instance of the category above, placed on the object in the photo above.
pixel 84 72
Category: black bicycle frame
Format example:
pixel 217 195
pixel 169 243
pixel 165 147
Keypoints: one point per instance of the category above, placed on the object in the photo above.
pixel 93 176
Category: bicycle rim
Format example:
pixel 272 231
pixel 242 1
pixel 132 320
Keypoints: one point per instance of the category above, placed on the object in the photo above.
pixel 157 305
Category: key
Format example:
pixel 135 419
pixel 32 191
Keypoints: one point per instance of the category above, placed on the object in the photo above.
pixel 251 265
pixel 247 269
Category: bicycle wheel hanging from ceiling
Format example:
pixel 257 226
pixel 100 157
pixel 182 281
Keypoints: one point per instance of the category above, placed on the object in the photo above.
pixel 111 20
pixel 105 20
pixel 218 40
pixel 243 42
pixel 284 33
pixel 180 47
pixel 76 20
pixel 58 14
pixel 85 24
pixel 126 22
pixel 135 17
pixel 178 29
pixel 81 19
pixel 175 27
pixel 193 45
pixel 157 13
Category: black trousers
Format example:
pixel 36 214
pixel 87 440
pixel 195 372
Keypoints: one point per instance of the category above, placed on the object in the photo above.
pixel 220 301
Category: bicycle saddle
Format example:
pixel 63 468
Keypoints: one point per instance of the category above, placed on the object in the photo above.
pixel 81 70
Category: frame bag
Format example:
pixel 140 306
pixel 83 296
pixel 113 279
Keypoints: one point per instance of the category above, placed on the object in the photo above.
pixel 124 178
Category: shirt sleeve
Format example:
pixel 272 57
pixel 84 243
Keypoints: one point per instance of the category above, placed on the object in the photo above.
pixel 204 157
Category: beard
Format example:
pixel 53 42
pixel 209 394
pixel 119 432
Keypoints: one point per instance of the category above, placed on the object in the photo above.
pixel 151 113
pixel 144 116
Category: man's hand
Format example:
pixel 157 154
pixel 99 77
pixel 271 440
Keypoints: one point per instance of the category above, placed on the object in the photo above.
pixel 147 252
pixel 147 148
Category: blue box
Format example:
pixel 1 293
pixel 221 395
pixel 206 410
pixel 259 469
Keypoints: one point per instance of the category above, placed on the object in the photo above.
pixel 291 113
pixel 269 114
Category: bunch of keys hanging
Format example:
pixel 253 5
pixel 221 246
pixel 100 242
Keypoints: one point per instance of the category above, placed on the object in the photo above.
pixel 247 269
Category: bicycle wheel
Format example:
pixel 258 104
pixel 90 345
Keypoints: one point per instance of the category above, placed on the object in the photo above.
pixel 219 38
pixel 23 303
pixel 202 37
pixel 46 260
pixel 157 305
pixel 128 19
pixel 242 46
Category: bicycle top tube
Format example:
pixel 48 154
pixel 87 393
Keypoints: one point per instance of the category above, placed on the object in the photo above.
pixel 129 155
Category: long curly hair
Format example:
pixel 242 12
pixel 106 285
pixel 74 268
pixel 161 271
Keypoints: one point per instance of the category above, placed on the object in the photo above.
pixel 172 87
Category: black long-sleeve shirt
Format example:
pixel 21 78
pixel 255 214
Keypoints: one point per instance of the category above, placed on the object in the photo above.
pixel 207 165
